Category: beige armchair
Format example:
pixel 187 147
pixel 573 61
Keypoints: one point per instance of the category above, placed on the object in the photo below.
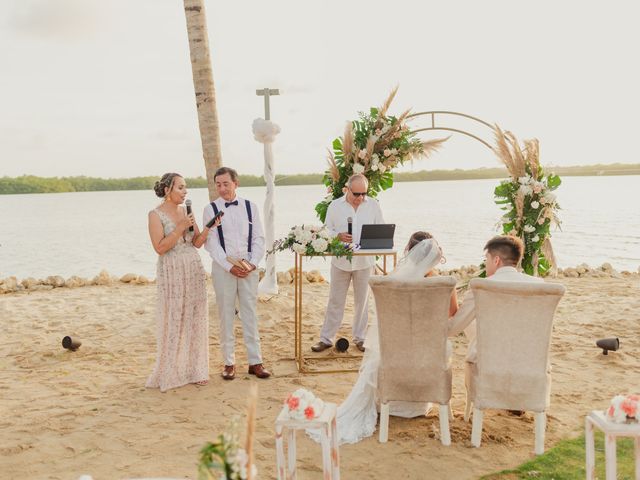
pixel 513 322
pixel 412 325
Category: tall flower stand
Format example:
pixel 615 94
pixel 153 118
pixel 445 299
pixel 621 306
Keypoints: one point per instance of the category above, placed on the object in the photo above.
pixel 301 359
pixel 326 423
pixel 611 432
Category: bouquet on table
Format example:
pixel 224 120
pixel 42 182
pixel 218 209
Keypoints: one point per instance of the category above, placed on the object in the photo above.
pixel 311 240
pixel 624 409
pixel 303 405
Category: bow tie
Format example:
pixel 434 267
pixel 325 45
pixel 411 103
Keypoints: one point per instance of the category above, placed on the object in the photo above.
pixel 228 204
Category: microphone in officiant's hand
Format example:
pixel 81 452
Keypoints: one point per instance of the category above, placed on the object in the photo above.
pixel 350 225
pixel 188 204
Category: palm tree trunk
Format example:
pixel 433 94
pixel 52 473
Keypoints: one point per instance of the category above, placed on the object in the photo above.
pixel 204 89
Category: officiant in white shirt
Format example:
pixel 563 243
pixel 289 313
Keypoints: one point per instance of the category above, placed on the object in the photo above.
pixel 239 237
pixel 357 208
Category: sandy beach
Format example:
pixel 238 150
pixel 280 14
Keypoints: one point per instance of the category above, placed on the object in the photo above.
pixel 66 413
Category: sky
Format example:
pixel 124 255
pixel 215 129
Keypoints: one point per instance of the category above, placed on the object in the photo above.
pixel 97 88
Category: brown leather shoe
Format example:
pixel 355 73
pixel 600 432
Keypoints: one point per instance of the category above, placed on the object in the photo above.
pixel 229 372
pixel 321 347
pixel 360 345
pixel 259 371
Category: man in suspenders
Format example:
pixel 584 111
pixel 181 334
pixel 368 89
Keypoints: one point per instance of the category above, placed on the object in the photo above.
pixel 239 237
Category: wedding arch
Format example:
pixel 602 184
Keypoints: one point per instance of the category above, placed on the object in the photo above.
pixel 377 142
pixel 438 127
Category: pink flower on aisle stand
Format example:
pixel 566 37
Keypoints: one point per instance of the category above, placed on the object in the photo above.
pixel 629 406
pixel 292 402
pixel 624 409
pixel 303 405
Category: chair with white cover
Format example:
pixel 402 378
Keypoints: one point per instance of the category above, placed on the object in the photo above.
pixel 514 322
pixel 414 363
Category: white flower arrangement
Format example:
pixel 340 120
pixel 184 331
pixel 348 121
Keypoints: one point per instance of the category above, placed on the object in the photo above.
pixel 311 240
pixel 303 405
pixel 527 198
pixel 624 409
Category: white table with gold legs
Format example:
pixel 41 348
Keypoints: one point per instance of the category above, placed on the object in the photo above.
pixel 301 360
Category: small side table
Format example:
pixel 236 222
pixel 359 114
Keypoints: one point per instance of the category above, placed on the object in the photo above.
pixel 326 423
pixel 611 431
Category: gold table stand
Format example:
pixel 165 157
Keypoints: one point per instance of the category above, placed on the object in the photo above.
pixel 301 360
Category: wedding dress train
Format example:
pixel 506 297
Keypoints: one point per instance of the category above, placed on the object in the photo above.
pixel 357 416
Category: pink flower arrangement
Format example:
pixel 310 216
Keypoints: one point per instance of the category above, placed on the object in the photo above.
pixel 624 409
pixel 303 405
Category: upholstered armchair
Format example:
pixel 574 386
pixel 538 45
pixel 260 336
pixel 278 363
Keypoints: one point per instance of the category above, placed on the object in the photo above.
pixel 513 324
pixel 414 360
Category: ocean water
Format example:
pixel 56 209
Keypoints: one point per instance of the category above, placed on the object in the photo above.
pixel 82 233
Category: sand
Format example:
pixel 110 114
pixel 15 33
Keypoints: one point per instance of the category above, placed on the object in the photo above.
pixel 66 413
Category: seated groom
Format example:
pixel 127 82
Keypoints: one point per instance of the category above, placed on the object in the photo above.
pixel 502 255
pixel 357 207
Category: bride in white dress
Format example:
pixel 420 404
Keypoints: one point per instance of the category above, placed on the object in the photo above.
pixel 357 416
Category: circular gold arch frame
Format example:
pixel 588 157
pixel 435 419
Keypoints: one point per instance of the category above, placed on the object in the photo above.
pixel 438 126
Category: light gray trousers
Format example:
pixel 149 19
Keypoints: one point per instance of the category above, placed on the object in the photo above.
pixel 228 287
pixel 340 280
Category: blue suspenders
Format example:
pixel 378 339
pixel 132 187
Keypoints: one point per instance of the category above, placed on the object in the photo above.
pixel 221 235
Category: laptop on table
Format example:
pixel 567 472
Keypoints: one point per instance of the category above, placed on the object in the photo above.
pixel 377 236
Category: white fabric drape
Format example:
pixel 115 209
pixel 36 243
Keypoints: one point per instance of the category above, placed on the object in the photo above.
pixel 265 131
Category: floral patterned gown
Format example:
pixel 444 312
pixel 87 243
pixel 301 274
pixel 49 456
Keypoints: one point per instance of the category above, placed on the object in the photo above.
pixel 182 316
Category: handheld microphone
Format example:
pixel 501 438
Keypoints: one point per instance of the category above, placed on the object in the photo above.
pixel 187 202
pixel 350 225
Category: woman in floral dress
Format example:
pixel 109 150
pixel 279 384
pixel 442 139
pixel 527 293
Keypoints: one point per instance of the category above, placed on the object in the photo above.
pixel 181 313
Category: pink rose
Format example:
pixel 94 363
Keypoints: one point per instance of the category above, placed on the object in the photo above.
pixel 629 406
pixel 292 402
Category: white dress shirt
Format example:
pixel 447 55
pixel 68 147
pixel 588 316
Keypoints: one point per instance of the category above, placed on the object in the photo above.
pixel 235 230
pixel 368 212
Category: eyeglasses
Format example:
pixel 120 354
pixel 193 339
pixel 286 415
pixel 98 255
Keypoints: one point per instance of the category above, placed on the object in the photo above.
pixel 358 194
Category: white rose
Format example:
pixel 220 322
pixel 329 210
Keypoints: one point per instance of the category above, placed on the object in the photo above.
pixel 528 228
pixel 298 248
pixel 535 239
pixel 374 167
pixel 357 168
pixel 375 159
pixel 548 197
pixel 523 180
pixel 525 189
pixel 319 245
pixel 382 168
pixel 535 205
pixel 306 237
pixel 362 153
